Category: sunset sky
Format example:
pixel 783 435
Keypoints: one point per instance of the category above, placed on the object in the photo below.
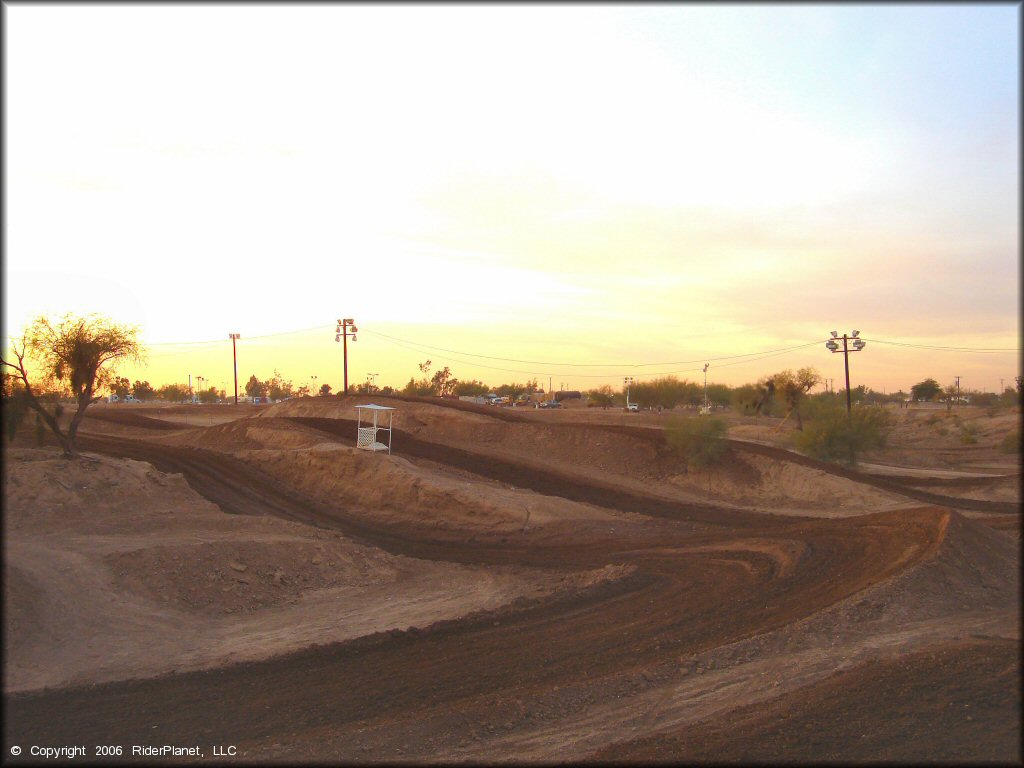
pixel 575 192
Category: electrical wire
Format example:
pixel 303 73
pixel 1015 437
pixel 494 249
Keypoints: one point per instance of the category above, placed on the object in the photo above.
pixel 979 350
pixel 588 365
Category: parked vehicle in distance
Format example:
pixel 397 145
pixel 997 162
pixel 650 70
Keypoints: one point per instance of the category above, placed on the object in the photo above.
pixel 500 401
pixel 550 404
pixel 633 407
pixel 131 399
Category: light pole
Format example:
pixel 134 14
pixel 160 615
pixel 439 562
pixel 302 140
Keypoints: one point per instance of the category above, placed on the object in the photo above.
pixel 313 379
pixel 199 385
pixel 627 381
pixel 234 356
pixel 371 379
pixel 706 410
pixel 342 334
pixel 833 346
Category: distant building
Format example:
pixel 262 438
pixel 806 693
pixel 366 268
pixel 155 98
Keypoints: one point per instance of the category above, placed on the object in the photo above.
pixel 568 394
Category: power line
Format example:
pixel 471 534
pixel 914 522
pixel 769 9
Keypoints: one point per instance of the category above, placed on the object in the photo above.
pixel 981 350
pixel 588 365
pixel 760 356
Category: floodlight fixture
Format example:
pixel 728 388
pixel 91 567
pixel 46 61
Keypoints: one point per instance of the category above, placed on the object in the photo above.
pixel 835 335
pixel 855 334
pixel 337 337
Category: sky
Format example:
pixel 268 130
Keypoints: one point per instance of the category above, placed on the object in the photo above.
pixel 573 193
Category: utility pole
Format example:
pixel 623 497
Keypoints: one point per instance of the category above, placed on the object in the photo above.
pixel 706 411
pixel 342 334
pixel 313 379
pixel 957 391
pixel 234 357
pixel 833 346
pixel 627 381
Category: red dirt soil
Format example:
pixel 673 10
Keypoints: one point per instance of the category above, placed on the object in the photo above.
pixel 726 634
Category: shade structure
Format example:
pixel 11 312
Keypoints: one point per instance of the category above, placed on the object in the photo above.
pixel 366 437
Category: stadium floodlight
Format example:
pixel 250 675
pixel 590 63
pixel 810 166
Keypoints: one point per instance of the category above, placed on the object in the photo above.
pixel 834 335
pixel 855 334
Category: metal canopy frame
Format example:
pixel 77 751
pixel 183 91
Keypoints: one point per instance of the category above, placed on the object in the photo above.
pixel 366 437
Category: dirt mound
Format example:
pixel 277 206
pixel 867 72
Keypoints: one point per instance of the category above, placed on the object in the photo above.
pixel 115 570
pixel 130 419
pixel 635 456
pixel 243 576
pixel 412 415
pixel 390 489
pixel 971 571
pixel 47 494
pixel 248 434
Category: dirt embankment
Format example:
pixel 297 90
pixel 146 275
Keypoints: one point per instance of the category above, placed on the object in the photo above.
pixel 114 570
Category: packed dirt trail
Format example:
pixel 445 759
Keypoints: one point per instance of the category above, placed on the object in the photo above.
pixel 625 614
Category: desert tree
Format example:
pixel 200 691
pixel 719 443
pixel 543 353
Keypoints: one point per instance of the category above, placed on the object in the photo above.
pixel 120 386
pixel 278 388
pixel 793 387
pixel 601 397
pixel 173 393
pixel 78 352
pixel 928 389
pixel 443 383
pixel 256 388
pixel 143 390
pixel 471 388
pixel 325 390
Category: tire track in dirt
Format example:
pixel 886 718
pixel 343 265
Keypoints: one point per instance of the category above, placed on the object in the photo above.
pixel 691 591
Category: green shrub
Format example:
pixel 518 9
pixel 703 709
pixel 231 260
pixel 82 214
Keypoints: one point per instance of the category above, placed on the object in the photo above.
pixel 1011 443
pixel 832 435
pixel 969 434
pixel 697 439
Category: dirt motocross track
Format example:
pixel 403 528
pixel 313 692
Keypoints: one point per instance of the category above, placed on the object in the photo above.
pixel 731 614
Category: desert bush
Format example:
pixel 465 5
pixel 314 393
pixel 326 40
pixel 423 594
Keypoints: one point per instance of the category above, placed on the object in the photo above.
pixel 832 436
pixel 1011 443
pixel 697 439
pixel 969 434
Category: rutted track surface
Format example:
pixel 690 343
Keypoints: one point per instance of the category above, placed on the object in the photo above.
pixel 704 576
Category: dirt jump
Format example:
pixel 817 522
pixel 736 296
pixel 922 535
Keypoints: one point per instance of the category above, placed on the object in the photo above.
pixel 507 585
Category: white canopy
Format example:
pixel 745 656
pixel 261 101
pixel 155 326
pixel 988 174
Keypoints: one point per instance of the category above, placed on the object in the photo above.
pixel 366 437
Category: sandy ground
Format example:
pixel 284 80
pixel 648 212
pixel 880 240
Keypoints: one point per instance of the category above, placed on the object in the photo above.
pixel 115 570
pixel 510 587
